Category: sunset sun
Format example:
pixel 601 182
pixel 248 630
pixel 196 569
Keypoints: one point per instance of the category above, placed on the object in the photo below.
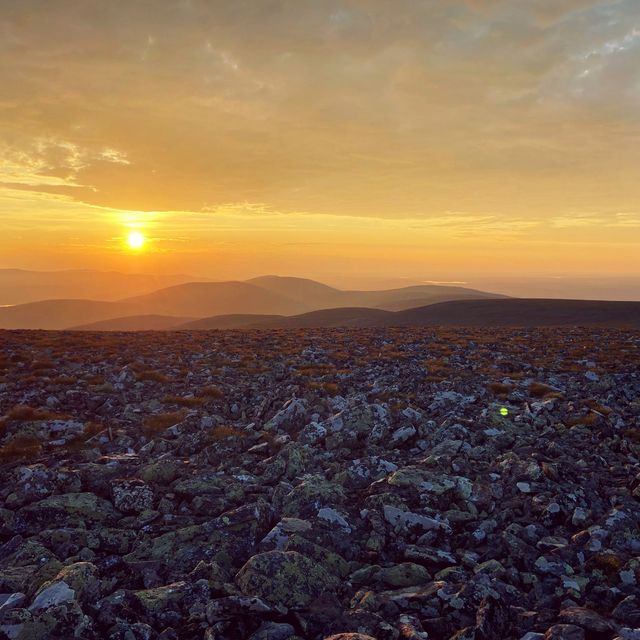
pixel 135 240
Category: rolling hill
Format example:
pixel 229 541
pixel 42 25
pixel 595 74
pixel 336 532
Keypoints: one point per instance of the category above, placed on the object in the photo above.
pixel 266 296
pixel 133 323
pixel 339 317
pixel 316 295
pixel 20 286
pixel 525 312
pixel 512 312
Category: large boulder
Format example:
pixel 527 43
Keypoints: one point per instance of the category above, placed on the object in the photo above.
pixel 285 578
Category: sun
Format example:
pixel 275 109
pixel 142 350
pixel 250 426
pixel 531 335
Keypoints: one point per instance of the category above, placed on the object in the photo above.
pixel 135 240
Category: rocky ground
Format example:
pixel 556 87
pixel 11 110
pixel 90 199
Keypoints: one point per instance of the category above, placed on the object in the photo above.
pixel 392 484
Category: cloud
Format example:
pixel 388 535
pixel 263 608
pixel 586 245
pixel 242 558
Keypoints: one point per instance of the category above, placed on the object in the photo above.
pixel 343 107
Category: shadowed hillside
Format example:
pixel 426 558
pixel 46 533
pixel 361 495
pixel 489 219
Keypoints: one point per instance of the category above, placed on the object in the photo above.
pixel 530 312
pixel 266 296
pixel 472 313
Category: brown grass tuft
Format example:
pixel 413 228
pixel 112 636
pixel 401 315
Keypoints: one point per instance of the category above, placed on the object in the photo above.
pixel 182 401
pixel 211 392
pixel 540 390
pixel 499 388
pixel 24 413
pixel 151 376
pixel 225 431
pixel 19 448
pixel 161 421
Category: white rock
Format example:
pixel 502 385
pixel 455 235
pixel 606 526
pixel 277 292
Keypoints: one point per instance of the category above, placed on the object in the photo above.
pixel 525 487
pixel 53 595
pixel 396 516
pixel 333 516
pixel 403 434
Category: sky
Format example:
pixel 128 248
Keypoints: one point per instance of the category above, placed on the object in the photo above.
pixel 416 139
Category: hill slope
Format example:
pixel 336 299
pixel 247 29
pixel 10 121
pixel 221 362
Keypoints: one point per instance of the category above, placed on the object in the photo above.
pixel 199 299
pixel 19 286
pixel 316 295
pixel 339 317
pixel 266 296
pixel 133 323
pixel 228 321
pixel 472 313
pixel 60 314
pixel 524 312
pixel 191 300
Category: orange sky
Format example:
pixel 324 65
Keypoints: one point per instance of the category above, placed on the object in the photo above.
pixel 434 139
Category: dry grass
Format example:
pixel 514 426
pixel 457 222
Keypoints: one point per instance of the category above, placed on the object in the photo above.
pixel 40 365
pixel 330 388
pixel 225 431
pixel 211 392
pixel 182 401
pixel 20 448
pixel 24 413
pixel 587 420
pixel 161 421
pixel 151 376
pixel 500 389
pixel 632 434
pixel 315 370
pixel 541 390
pixel 607 563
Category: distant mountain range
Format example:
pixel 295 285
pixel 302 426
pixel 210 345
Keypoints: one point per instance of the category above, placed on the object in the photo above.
pixel 285 302
pixel 264 296
pixel 18 286
pixel 510 312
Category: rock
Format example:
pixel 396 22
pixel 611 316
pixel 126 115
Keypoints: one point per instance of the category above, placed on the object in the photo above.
pixel 591 621
pixel 273 631
pixel 234 606
pixel 131 495
pixel 82 577
pixel 70 509
pixel 290 418
pixel 157 602
pixel 408 520
pixel 334 517
pixel 564 632
pixel 628 611
pixel 406 574
pixel 402 435
pixel 285 578
pixel 52 595
pixel 12 601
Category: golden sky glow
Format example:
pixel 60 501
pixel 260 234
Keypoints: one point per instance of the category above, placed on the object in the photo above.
pixel 430 139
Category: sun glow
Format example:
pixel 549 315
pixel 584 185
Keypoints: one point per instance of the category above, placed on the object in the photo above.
pixel 135 240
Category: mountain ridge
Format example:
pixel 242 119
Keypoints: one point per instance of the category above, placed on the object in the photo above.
pixel 281 296
pixel 510 312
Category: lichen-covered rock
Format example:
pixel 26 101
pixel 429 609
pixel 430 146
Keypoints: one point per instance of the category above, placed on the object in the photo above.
pixel 131 495
pixel 285 578
pixel 83 578
pixel 69 509
pixel 564 632
pixel 405 574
